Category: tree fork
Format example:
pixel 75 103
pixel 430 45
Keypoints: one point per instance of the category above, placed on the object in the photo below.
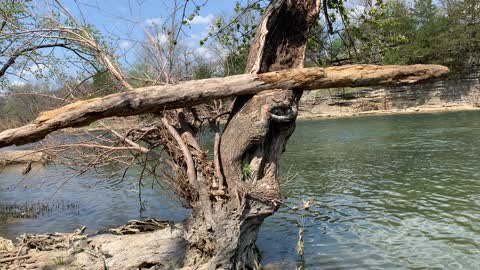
pixel 260 125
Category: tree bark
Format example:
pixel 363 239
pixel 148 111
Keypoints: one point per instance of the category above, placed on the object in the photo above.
pixel 254 137
pixel 159 98
pixel 227 215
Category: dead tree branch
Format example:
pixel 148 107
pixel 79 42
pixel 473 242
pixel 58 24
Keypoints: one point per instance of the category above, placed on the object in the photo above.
pixel 160 98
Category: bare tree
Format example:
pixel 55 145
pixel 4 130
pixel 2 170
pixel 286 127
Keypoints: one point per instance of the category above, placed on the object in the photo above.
pixel 231 194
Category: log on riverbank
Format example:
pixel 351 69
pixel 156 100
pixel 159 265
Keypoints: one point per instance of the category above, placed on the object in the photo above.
pixel 163 248
pixel 22 156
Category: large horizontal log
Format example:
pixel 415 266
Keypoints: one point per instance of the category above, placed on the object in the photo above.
pixel 159 98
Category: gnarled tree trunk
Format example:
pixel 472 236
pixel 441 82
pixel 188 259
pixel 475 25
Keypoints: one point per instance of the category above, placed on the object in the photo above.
pixel 222 232
pixel 232 194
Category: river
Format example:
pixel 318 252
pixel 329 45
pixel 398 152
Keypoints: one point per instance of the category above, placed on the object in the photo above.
pixel 388 192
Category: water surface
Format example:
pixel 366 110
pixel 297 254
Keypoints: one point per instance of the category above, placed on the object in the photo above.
pixel 389 192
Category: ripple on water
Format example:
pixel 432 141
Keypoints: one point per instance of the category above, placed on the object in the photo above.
pixel 390 192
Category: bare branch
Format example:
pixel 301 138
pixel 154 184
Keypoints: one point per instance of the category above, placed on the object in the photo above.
pixel 19 53
pixel 125 139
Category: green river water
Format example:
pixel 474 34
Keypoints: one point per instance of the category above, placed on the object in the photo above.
pixel 389 192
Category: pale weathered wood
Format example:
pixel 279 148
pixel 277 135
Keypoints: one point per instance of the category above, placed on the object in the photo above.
pixel 11 259
pixel 159 98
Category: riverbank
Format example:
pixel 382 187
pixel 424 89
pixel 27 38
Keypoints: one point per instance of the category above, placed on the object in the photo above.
pixel 306 115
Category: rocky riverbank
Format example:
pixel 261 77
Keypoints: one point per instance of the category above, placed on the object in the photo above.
pixel 308 115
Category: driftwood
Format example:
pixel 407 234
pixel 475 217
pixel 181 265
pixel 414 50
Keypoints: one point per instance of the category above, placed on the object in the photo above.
pixel 159 98
pixel 11 259
pixel 138 226
pixel 22 156
pixel 155 246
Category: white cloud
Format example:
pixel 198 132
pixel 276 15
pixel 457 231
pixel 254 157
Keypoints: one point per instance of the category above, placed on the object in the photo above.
pixel 124 44
pixel 153 21
pixel 162 38
pixel 204 34
pixel 205 53
pixel 196 37
pixel 203 19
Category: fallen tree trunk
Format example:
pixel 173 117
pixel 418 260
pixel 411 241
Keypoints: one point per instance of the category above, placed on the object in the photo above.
pixel 159 98
pixel 22 156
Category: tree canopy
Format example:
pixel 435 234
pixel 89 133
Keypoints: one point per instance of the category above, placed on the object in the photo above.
pixel 402 32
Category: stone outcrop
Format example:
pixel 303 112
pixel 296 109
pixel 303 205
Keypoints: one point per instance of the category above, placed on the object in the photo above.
pixel 22 156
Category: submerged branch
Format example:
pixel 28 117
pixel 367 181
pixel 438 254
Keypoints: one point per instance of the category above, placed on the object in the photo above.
pixel 160 98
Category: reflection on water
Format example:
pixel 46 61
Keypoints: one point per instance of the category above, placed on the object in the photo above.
pixel 391 192
pixel 100 202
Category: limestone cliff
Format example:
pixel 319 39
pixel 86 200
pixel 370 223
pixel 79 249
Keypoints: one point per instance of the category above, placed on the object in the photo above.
pixel 455 92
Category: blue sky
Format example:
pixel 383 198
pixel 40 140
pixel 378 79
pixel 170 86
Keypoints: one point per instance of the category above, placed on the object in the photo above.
pixel 125 19
pixel 123 22
pixel 112 15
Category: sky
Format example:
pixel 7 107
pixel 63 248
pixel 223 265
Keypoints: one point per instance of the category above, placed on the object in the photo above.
pixel 124 19
pixel 124 23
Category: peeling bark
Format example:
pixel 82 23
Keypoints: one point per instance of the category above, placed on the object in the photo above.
pixel 260 125
pixel 253 140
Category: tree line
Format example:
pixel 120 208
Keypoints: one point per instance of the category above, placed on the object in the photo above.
pixel 403 32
